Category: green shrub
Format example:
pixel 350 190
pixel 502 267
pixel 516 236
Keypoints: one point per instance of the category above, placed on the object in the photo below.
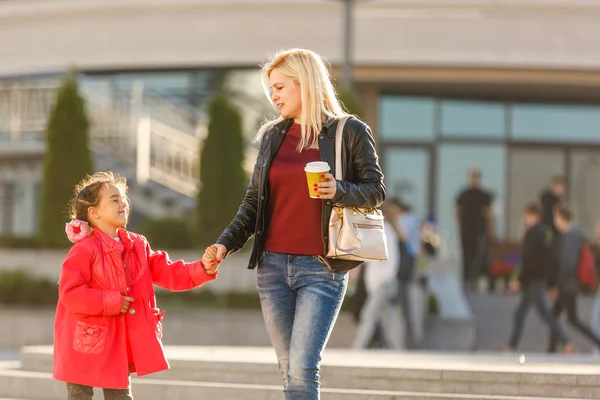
pixel 169 233
pixel 207 299
pixel 223 179
pixel 18 287
pixel 66 161
pixel 19 242
pixel 351 103
pixel 21 289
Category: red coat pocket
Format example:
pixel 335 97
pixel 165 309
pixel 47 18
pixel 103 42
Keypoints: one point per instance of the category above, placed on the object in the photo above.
pixel 89 339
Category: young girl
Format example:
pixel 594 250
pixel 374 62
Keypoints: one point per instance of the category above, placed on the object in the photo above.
pixel 107 324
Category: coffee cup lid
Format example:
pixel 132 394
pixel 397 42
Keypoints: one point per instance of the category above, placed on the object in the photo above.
pixel 317 166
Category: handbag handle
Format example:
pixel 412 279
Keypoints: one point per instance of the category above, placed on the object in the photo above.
pixel 338 146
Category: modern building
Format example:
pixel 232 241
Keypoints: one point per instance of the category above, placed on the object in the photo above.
pixel 509 86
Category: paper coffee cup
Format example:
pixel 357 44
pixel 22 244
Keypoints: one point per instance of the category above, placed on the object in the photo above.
pixel 314 170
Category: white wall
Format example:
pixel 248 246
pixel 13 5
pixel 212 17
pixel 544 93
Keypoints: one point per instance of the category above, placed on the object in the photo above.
pixel 47 35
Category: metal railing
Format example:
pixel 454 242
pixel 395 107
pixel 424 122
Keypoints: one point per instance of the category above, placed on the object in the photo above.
pixel 117 128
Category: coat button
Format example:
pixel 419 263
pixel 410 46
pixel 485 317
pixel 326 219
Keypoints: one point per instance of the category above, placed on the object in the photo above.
pixel 320 136
pixel 264 164
pixel 328 203
pixel 128 289
pixel 132 311
pixel 257 233
pixel 283 131
pixel 262 197
pixel 90 331
pixel 125 265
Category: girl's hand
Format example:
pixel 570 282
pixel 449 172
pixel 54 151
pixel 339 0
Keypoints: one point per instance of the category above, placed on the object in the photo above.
pixel 326 190
pixel 210 259
pixel 126 302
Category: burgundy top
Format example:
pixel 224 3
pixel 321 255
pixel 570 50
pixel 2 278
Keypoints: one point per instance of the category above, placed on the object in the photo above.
pixel 294 217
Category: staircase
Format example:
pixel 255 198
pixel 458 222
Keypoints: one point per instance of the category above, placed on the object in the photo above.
pixel 141 136
pixel 250 373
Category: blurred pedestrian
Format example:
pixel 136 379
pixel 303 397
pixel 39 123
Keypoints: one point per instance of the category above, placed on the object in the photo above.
pixel 381 284
pixel 474 217
pixel 570 241
pixel 533 279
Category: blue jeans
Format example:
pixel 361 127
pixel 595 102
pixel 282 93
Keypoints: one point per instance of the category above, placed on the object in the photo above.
pixel 536 293
pixel 300 300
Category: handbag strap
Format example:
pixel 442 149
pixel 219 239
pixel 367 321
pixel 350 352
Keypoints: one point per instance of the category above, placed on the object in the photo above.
pixel 339 132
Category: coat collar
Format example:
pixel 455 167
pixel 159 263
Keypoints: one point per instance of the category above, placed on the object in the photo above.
pixel 109 244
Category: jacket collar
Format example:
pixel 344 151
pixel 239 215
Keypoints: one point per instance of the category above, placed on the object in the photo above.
pixel 111 245
pixel 329 127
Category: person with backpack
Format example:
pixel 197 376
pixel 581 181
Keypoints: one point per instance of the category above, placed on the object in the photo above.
pixel 596 309
pixel 533 279
pixel 573 272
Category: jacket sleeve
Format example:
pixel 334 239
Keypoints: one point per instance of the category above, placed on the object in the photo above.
pixel 74 291
pixel 175 275
pixel 367 189
pixel 243 226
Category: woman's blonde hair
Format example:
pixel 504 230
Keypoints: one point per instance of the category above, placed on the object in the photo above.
pixel 318 97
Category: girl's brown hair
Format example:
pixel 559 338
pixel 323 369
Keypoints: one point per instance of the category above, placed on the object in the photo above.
pixel 87 193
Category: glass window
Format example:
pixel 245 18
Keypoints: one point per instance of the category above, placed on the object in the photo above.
pixel 584 189
pixel 407 118
pixel 407 177
pixel 172 87
pixel 454 162
pixel 557 123
pixel 530 170
pixel 472 119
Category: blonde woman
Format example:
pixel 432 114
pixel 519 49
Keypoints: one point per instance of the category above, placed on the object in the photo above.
pixel 301 291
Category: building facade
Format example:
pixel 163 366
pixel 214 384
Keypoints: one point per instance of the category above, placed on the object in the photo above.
pixel 510 87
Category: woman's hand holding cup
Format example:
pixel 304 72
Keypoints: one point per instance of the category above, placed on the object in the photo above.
pixel 327 189
pixel 321 184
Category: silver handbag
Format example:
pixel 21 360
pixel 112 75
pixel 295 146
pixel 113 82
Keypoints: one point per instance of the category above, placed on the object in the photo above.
pixel 355 234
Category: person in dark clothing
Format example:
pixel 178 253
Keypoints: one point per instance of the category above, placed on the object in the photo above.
pixel 473 213
pixel 550 198
pixel 533 279
pixel 570 241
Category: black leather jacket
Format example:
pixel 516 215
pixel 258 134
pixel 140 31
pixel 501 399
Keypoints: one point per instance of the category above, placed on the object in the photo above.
pixel 362 187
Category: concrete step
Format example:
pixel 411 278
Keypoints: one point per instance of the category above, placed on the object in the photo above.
pixel 478 374
pixel 40 386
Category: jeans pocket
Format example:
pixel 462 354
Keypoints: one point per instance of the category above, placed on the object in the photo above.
pixel 89 339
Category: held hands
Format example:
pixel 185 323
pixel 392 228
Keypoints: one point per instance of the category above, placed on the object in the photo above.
pixel 212 257
pixel 126 302
pixel 326 190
